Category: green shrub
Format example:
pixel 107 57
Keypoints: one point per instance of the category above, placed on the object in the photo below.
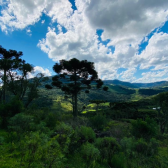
pixel 63 128
pixel 86 134
pixel 146 148
pixel 63 134
pixel 108 146
pixel 144 129
pixel 89 152
pixel 2 139
pixel 153 147
pixel 37 114
pixel 99 122
pixel 118 161
pixel 21 123
pixel 41 128
pixel 51 120
pixel 127 145
pixel 31 148
pixel 79 121
pixel 52 155
pixel 141 146
pixel 9 110
pixel 118 129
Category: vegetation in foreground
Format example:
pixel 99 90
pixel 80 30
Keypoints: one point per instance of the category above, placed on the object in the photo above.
pixel 105 137
pixel 103 134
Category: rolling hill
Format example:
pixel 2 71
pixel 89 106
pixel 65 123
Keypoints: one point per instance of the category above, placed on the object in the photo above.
pixel 137 85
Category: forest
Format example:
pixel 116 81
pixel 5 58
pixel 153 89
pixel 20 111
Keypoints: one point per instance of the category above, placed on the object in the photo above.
pixel 75 120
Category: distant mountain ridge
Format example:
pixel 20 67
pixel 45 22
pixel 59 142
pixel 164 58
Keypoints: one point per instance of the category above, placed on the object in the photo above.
pixel 136 85
pixel 121 83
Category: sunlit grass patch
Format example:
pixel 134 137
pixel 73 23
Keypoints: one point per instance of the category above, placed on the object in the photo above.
pixel 91 105
pixel 86 111
pixel 59 104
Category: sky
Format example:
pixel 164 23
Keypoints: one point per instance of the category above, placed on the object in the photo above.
pixel 126 39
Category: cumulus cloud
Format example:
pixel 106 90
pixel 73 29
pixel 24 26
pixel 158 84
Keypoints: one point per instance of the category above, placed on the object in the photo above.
pixel 125 23
pixel 18 14
pixel 153 76
pixel 156 53
pixel 128 75
pixel 38 69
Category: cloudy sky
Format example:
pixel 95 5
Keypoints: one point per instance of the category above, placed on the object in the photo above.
pixel 126 39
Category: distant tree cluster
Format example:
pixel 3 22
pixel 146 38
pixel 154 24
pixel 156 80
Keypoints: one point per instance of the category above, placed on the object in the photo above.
pixel 149 92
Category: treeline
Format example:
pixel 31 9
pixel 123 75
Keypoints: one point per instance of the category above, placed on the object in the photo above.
pixel 149 92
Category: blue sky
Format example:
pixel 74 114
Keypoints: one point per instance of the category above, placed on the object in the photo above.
pixel 126 40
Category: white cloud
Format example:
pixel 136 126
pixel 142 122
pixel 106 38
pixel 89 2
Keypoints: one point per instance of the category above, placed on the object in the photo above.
pixel 38 69
pixel 128 75
pixel 21 13
pixel 156 53
pixel 125 23
pixel 29 32
pixel 43 21
pixel 153 76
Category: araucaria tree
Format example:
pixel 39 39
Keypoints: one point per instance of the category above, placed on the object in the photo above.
pixel 80 73
pixel 9 61
pixel 14 77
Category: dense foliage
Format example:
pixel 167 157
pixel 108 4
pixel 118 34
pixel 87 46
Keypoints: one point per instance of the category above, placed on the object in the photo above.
pixel 107 133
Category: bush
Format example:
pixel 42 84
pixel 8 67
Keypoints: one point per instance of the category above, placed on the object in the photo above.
pixel 79 121
pixel 9 110
pixel 132 147
pixel 1 140
pixel 63 128
pixel 118 161
pixel 146 148
pixel 144 129
pixel 86 134
pixel 52 155
pixel 37 150
pixel 141 146
pixel 127 145
pixel 51 120
pixel 108 146
pixel 63 134
pixel 21 123
pixel 89 152
pixel 99 122
pixel 37 114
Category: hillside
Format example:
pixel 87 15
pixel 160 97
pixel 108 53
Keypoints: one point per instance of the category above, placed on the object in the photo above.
pixel 137 85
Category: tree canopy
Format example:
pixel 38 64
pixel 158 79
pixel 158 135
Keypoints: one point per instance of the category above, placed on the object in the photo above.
pixel 80 75
pixel 9 61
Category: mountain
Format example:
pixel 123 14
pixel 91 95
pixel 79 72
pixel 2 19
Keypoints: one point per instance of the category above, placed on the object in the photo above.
pixel 121 83
pixel 154 84
pixel 136 85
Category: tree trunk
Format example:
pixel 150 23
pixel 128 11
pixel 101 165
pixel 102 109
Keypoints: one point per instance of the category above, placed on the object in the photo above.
pixel 75 110
pixel 4 87
pixel 162 127
pixel 75 97
pixel 73 106
pixel 97 107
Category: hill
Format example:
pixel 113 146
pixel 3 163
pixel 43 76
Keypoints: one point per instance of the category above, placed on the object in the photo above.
pixel 137 85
